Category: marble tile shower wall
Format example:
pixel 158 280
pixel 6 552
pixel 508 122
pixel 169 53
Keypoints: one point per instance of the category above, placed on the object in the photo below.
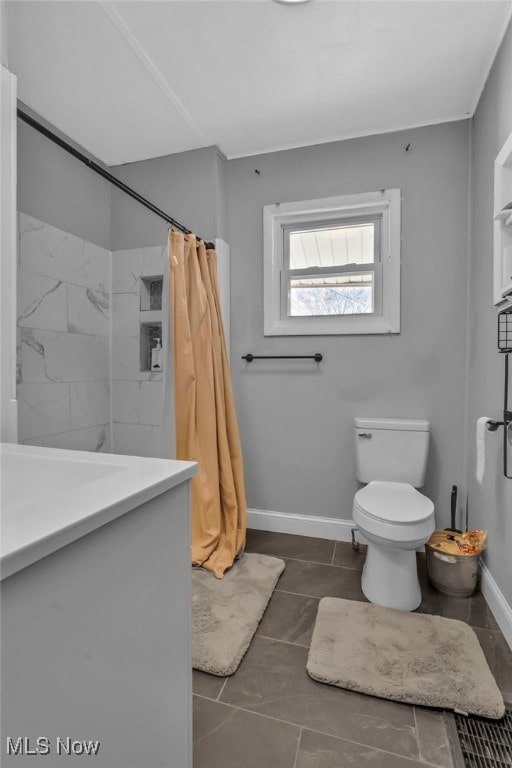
pixel 69 302
pixel 137 396
pixel 63 339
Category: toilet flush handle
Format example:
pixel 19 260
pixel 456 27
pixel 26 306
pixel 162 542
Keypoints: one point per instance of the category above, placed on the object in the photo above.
pixel 367 435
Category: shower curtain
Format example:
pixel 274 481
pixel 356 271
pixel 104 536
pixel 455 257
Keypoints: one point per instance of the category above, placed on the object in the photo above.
pixel 206 428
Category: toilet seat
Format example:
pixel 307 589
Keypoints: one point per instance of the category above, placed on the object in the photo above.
pixel 395 513
pixel 393 503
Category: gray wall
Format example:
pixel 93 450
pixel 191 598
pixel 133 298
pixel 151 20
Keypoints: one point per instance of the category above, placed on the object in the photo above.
pixel 58 189
pixel 491 502
pixel 3 34
pixel 188 186
pixel 296 418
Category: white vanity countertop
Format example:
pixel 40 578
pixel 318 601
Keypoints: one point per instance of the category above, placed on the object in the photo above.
pixel 51 497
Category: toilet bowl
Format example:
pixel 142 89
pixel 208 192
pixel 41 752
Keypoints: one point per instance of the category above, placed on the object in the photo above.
pixel 395 520
pixel 393 517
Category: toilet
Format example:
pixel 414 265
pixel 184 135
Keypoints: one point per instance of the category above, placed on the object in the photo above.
pixel 393 517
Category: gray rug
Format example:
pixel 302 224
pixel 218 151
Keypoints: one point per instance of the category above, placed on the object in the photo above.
pixel 409 657
pixel 226 612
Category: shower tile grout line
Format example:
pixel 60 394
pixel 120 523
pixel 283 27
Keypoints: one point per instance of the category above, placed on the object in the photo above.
pixel 323 733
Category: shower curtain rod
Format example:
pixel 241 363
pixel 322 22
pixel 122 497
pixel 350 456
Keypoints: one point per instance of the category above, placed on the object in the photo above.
pixel 105 174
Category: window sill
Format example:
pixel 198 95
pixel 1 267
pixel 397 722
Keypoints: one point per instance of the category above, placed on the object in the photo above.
pixel 332 326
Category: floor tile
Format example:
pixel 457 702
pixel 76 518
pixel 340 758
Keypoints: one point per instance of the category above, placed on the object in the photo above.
pixel 345 555
pixel 287 545
pixel 206 685
pixel 340 728
pixel 315 580
pixel 272 680
pixel 499 659
pixel 473 610
pixel 319 751
pixel 433 737
pixel 290 617
pixel 231 738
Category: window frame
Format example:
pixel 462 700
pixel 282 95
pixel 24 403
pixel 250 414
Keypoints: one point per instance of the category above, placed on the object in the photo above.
pixel 282 218
pixel 348 269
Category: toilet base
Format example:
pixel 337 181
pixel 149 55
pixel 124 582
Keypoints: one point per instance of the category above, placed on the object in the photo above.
pixel 390 578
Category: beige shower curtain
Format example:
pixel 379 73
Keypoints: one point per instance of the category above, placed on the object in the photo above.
pixel 206 428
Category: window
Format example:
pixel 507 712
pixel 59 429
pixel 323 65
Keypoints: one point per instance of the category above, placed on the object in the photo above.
pixel 332 266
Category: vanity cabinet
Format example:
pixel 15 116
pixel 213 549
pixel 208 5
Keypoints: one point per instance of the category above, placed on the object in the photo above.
pixel 95 613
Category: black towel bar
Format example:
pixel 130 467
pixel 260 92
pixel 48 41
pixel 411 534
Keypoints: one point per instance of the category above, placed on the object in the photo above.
pixel 317 357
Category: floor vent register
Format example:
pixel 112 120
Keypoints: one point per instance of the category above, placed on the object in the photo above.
pixel 485 743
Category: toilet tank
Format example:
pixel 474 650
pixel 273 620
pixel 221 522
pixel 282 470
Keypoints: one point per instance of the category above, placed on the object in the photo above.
pixel 391 449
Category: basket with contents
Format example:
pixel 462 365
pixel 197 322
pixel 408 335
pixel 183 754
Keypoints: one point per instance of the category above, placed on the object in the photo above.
pixel 452 561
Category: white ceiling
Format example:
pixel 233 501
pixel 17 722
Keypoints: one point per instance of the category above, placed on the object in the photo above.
pixel 133 80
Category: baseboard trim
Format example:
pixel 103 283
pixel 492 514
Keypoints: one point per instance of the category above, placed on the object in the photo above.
pixel 497 603
pixel 300 525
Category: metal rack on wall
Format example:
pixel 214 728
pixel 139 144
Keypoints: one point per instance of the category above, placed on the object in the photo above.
pixel 505 347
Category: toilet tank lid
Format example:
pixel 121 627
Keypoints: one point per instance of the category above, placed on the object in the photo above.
pixel 411 425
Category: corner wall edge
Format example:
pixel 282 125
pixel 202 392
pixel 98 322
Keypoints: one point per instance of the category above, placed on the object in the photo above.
pixel 497 602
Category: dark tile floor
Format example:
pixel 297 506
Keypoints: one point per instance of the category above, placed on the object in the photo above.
pixel 270 714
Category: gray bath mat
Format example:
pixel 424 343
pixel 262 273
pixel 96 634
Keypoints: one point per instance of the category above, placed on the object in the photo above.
pixel 410 657
pixel 226 612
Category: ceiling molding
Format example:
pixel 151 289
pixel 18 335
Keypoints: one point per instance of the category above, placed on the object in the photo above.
pixel 148 64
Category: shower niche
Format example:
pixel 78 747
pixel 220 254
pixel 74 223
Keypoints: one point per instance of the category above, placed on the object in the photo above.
pixel 151 293
pixel 150 335
pixel 151 289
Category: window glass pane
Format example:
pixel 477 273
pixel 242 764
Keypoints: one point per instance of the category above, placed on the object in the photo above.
pixel 343 295
pixel 332 247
